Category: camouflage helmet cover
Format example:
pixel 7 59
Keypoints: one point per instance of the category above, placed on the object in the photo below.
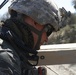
pixel 42 11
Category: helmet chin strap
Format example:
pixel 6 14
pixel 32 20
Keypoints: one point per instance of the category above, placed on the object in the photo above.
pixel 39 33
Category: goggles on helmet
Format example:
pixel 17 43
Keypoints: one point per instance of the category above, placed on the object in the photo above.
pixel 49 29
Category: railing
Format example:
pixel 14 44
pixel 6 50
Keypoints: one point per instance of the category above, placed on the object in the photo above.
pixel 57 54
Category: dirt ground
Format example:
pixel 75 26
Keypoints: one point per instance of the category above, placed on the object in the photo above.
pixel 67 69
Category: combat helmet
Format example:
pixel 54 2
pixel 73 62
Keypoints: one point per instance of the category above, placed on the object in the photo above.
pixel 42 11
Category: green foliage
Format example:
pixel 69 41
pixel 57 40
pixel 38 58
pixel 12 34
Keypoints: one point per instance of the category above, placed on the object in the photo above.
pixel 72 19
pixel 65 35
pixel 74 3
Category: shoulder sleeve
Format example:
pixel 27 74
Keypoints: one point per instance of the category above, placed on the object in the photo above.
pixel 9 62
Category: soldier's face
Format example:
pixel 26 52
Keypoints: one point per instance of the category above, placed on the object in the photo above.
pixel 39 27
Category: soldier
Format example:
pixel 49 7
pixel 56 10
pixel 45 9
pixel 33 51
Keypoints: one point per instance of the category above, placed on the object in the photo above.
pixel 29 25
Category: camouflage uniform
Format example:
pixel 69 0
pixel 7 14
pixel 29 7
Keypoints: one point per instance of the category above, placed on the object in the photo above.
pixel 9 60
pixel 11 63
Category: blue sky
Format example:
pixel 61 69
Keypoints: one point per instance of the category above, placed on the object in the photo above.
pixel 67 4
pixel 5 8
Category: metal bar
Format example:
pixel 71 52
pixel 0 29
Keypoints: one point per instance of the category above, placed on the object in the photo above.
pixel 55 54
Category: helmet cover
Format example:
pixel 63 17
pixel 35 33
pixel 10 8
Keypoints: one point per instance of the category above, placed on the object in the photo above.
pixel 41 11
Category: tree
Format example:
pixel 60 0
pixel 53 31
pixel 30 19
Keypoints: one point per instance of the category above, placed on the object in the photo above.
pixel 74 3
pixel 72 19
